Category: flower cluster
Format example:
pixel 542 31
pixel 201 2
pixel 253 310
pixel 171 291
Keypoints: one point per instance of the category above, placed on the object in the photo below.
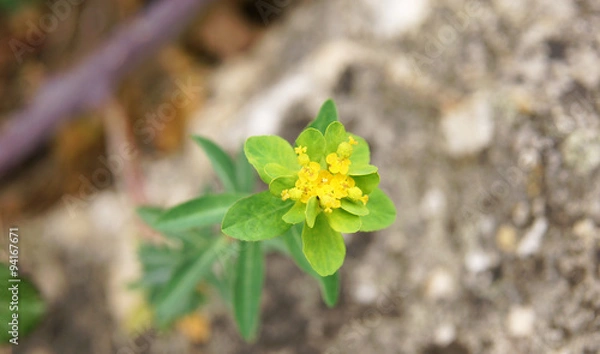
pixel 329 184
pixel 323 185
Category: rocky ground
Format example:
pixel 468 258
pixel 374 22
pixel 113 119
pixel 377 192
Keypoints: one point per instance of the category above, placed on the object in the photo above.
pixel 484 119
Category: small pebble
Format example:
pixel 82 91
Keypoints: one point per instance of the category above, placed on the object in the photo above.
pixel 365 293
pixel 440 285
pixel 468 127
pixel 477 261
pixel 521 321
pixel 520 214
pixel 506 239
pixel 445 334
pixel 433 203
pixel 532 241
pixel 584 228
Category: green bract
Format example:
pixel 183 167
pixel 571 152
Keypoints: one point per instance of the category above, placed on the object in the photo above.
pixel 325 181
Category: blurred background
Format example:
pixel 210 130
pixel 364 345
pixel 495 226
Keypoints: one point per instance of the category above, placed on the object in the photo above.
pixel 483 117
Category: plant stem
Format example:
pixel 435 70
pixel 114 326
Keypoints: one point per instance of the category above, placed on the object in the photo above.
pixel 90 84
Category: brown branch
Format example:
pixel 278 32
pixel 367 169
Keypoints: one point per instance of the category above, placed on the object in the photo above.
pixel 90 84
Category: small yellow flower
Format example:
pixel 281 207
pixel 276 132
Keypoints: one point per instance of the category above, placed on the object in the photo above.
pixel 295 194
pixel 303 159
pixel 344 150
pixel 329 185
pixel 310 171
pixel 356 193
pixel 338 164
pixel 300 150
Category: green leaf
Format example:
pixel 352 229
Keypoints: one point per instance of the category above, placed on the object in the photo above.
pixel 261 150
pixel 360 158
pixel 296 214
pixel 196 213
pixel 367 183
pixel 323 247
pixel 30 307
pixel 354 207
pixel 330 287
pixel 248 288
pixel 186 304
pixel 275 170
pixel 245 175
pixel 334 135
pixel 158 264
pixel 361 170
pixel 342 221
pixel 280 183
pixel 314 141
pixel 312 210
pixel 327 114
pixel 382 212
pixel 223 272
pixel 221 162
pixel 361 154
pixel 257 217
pixel 173 300
pixel 149 214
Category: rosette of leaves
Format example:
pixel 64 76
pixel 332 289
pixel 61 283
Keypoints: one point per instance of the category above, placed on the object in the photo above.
pixel 325 183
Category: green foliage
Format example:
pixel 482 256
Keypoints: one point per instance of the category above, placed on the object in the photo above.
pixel 249 279
pixel 296 214
pixel 382 212
pixel 327 115
pixel 314 142
pixel 367 183
pixel 257 217
pixel 330 285
pixel 323 247
pixel 263 150
pixel 197 213
pixel 175 276
pixel 221 162
pixel 334 135
pixel 319 188
pixel 280 165
pixel 342 221
pixel 172 301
